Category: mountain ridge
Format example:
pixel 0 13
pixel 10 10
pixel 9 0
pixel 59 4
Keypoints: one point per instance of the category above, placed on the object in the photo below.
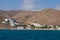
pixel 45 16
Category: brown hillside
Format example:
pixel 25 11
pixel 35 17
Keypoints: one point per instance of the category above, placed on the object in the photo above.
pixel 6 14
pixel 24 16
pixel 47 16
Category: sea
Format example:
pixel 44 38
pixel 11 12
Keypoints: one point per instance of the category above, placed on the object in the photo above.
pixel 29 34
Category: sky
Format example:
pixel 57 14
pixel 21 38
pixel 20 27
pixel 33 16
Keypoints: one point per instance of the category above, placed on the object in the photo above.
pixel 34 5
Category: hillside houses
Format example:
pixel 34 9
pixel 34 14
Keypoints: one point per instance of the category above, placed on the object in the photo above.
pixel 28 25
pixel 12 23
pixel 43 26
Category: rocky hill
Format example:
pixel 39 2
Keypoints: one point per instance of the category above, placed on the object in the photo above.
pixel 45 16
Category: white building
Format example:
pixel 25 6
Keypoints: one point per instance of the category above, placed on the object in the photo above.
pixel 37 25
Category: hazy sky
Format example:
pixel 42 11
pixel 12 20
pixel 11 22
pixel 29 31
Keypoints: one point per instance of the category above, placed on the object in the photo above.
pixel 29 4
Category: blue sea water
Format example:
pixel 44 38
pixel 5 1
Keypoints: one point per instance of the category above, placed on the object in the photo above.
pixel 29 34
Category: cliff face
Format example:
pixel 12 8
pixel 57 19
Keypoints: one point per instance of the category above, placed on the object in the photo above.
pixel 46 16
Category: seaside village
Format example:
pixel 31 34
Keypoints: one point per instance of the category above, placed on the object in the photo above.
pixel 28 25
